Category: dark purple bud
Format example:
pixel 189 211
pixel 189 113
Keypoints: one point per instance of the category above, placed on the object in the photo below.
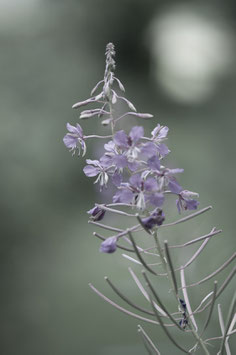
pixel 156 218
pixel 97 213
pixel 109 245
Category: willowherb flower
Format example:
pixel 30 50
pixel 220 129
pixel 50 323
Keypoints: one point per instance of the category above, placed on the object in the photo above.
pixel 134 164
pixel 75 139
pixel 139 192
pixel 184 201
pixel 100 169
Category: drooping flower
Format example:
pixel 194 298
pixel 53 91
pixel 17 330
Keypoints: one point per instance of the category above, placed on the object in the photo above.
pixel 97 213
pixel 184 201
pixel 75 139
pixel 109 245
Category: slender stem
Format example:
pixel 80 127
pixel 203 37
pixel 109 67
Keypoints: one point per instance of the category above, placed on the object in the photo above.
pixel 222 267
pixel 139 255
pixel 127 300
pixel 148 340
pixel 172 272
pixel 187 217
pixel 125 310
pixel 157 298
pixel 96 136
pixel 159 249
pixel 229 319
pixel 211 234
pixel 211 309
pixel 165 330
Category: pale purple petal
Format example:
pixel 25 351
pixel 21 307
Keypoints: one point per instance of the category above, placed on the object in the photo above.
pixel 110 146
pixel 93 162
pixel 149 149
pixel 155 131
pixel 174 171
pixel 157 199
pixel 121 139
pixel 154 163
pixel 71 128
pixel 70 141
pixel 79 129
pixel 106 161
pixel 133 165
pixel 163 132
pixel 136 133
pixel 135 180
pixel 150 184
pixel 123 196
pixel 163 149
pixel 109 245
pixel 120 161
pixel 191 204
pixel 91 171
pixel 117 179
pixel 174 186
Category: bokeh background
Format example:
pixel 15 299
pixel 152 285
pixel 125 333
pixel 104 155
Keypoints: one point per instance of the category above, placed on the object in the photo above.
pixel 177 60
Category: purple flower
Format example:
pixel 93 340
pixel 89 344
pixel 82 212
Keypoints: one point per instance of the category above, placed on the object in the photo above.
pixel 159 134
pixel 129 143
pixel 113 157
pixel 184 201
pixel 156 218
pixel 74 139
pixel 139 192
pixel 99 168
pixel 109 245
pixel 97 213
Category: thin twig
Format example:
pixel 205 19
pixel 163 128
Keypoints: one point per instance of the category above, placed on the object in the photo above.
pixel 158 300
pixel 125 310
pixel 228 322
pixel 139 255
pixel 186 299
pixel 148 340
pixel 165 330
pixel 172 272
pixel 187 217
pixel 222 267
pixel 127 300
pixel 211 234
pixel 143 291
pixel 211 309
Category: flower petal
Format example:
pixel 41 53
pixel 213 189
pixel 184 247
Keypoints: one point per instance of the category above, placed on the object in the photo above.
pixel 121 139
pixel 136 133
pixel 91 171
pixel 70 141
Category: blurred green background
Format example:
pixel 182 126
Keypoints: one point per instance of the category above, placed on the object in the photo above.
pixel 177 60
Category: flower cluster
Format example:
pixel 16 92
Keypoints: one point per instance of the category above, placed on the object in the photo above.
pixel 131 161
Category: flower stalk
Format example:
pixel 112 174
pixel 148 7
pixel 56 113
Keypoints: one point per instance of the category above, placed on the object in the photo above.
pixel 132 164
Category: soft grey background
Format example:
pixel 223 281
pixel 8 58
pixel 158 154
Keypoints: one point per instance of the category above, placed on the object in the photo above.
pixel 177 61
